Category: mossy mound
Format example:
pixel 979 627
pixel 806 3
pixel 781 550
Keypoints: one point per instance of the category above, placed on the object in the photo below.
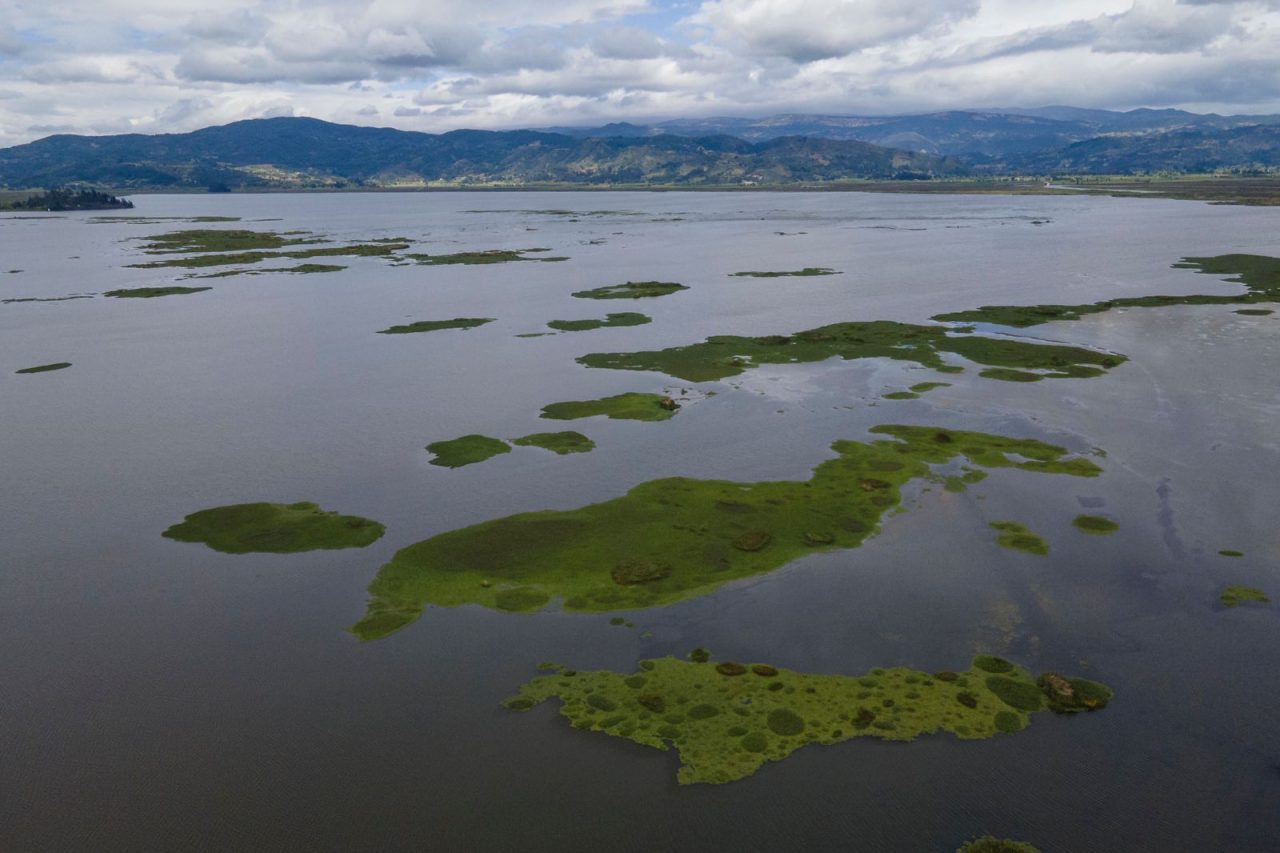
pixel 437 325
pixel 804 273
pixel 466 450
pixel 1094 524
pixel 1234 596
pixel 45 368
pixel 722 356
pixel 624 318
pixel 557 442
pixel 1019 538
pixel 487 256
pixel 725 726
pixel 709 532
pixel 629 407
pixel 153 292
pixel 631 290
pixel 991 844
pixel 274 528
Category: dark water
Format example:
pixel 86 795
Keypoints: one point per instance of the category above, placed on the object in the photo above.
pixel 159 695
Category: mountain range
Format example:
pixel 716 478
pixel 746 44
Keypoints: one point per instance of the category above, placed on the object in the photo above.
pixel 778 150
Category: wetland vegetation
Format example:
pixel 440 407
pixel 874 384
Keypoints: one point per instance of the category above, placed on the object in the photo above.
pixel 274 528
pixel 487 256
pixel 1017 537
pixel 153 292
pixel 437 325
pixel 466 450
pixel 631 290
pixel 1096 525
pixel 45 368
pixel 675 538
pixel 727 720
pixel 625 407
pixel 803 273
pixel 561 443
pixel 624 318
pixel 1233 596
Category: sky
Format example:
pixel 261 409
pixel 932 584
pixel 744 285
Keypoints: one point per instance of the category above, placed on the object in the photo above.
pixel 155 66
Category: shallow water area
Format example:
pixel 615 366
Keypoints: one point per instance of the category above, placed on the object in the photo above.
pixel 162 694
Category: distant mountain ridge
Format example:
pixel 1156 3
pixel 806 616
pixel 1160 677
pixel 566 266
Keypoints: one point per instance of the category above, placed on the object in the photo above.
pixel 304 152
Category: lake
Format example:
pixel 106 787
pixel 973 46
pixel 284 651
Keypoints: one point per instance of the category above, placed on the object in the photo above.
pixel 159 694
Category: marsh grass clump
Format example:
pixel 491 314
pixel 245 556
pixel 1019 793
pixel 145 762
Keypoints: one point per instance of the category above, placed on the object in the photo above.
pixel 708 532
pixel 633 572
pixel 623 318
pixel 437 325
pixel 238 247
pixel 725 729
pixel 1233 596
pixel 1094 524
pixel 45 368
pixel 923 387
pixel 1017 537
pixel 274 528
pixel 485 256
pixel 560 443
pixel 153 292
pixel 466 450
pixel 632 290
pixel 630 407
pixel 802 273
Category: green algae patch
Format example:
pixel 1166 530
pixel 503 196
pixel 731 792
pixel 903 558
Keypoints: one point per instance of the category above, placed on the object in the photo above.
pixel 722 356
pixel 153 292
pixel 676 538
pixel 725 724
pixel 561 443
pixel 1234 596
pixel 1094 524
pixel 45 368
pixel 274 528
pixel 632 290
pixel 624 318
pixel 486 256
pixel 991 844
pixel 1019 538
pixel 466 450
pixel 1258 273
pixel 804 273
pixel 902 395
pixel 628 407
pixel 437 325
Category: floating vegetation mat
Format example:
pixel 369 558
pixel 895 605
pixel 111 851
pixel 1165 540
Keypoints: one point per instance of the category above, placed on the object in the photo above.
pixel 467 450
pixel 561 443
pixel 1017 537
pixel 676 538
pixel 626 407
pixel 1259 274
pixel 1233 596
pixel 631 290
pixel 726 720
pixel 274 528
pixel 487 256
pixel 624 318
pixel 45 368
pixel 437 325
pixel 1094 524
pixel 806 272
pixel 729 355
pixel 153 292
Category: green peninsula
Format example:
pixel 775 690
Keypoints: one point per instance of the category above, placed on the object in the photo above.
pixel 437 325
pixel 620 407
pixel 729 355
pixel 677 538
pixel 726 720
pixel 624 318
pixel 274 528
pixel 631 290
pixel 1258 273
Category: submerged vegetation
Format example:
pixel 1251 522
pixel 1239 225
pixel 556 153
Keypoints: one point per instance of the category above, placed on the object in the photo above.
pixel 45 368
pixel 274 528
pixel 437 325
pixel 1258 273
pixel 466 450
pixel 631 290
pixel 726 721
pixel 624 318
pixel 675 538
pixel 628 407
pixel 1017 537
pixel 561 443
pixel 153 292
pixel 1233 596
pixel 722 356
pixel 807 271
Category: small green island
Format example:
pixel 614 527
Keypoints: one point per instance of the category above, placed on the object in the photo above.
pixel 1017 537
pixel 677 538
pixel 274 529
pixel 485 256
pixel 726 720
pixel 1233 596
pixel 466 450
pixel 45 368
pixel 198 248
pixel 560 443
pixel 632 290
pixel 624 318
pixel 627 407
pixel 153 292
pixel 804 273
pixel 437 325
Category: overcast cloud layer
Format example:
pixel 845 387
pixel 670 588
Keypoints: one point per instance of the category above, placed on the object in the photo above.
pixel 114 66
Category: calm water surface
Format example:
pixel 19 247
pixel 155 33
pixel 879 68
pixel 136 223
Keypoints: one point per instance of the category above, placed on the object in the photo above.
pixel 156 695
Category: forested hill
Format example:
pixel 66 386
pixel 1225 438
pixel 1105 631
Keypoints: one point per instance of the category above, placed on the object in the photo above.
pixel 303 152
